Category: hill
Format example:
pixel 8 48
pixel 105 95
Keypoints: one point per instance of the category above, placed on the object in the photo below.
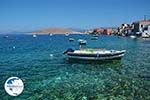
pixel 56 31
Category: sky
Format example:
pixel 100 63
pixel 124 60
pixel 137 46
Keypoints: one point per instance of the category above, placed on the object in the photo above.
pixel 30 15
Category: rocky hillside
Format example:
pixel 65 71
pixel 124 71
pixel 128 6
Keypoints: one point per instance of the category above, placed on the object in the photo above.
pixel 56 31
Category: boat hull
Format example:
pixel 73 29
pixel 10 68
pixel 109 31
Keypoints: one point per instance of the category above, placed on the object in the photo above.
pixel 95 55
pixel 116 57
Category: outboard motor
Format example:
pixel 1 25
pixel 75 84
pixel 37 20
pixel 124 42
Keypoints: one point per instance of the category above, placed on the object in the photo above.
pixel 68 50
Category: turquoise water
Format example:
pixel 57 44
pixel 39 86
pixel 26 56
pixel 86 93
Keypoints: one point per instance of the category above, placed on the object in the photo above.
pixel 46 73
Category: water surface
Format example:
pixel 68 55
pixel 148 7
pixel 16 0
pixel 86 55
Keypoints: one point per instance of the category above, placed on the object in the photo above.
pixel 46 73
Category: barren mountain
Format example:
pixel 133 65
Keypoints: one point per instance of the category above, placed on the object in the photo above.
pixel 56 31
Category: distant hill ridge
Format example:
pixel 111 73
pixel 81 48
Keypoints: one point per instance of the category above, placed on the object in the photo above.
pixel 56 31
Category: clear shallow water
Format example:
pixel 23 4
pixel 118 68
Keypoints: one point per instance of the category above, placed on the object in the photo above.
pixel 46 74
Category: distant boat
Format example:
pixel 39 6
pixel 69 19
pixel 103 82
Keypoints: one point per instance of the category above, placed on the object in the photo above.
pixel 34 35
pixel 67 34
pixel 6 36
pixel 145 35
pixel 82 42
pixel 50 34
pixel 94 54
pixel 71 39
pixel 94 38
pixel 133 36
pixel 13 47
pixel 146 32
pixel 96 35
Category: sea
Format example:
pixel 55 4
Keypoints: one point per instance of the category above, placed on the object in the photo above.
pixel 47 74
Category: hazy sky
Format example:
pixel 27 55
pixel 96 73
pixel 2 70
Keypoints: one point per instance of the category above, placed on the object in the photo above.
pixel 26 15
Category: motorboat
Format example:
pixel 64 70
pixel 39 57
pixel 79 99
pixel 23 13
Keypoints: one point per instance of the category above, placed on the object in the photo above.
pixel 67 34
pixel 34 35
pixel 146 32
pixel 94 38
pixel 145 35
pixel 96 35
pixel 82 42
pixel 6 36
pixel 94 54
pixel 50 34
pixel 133 36
pixel 71 39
